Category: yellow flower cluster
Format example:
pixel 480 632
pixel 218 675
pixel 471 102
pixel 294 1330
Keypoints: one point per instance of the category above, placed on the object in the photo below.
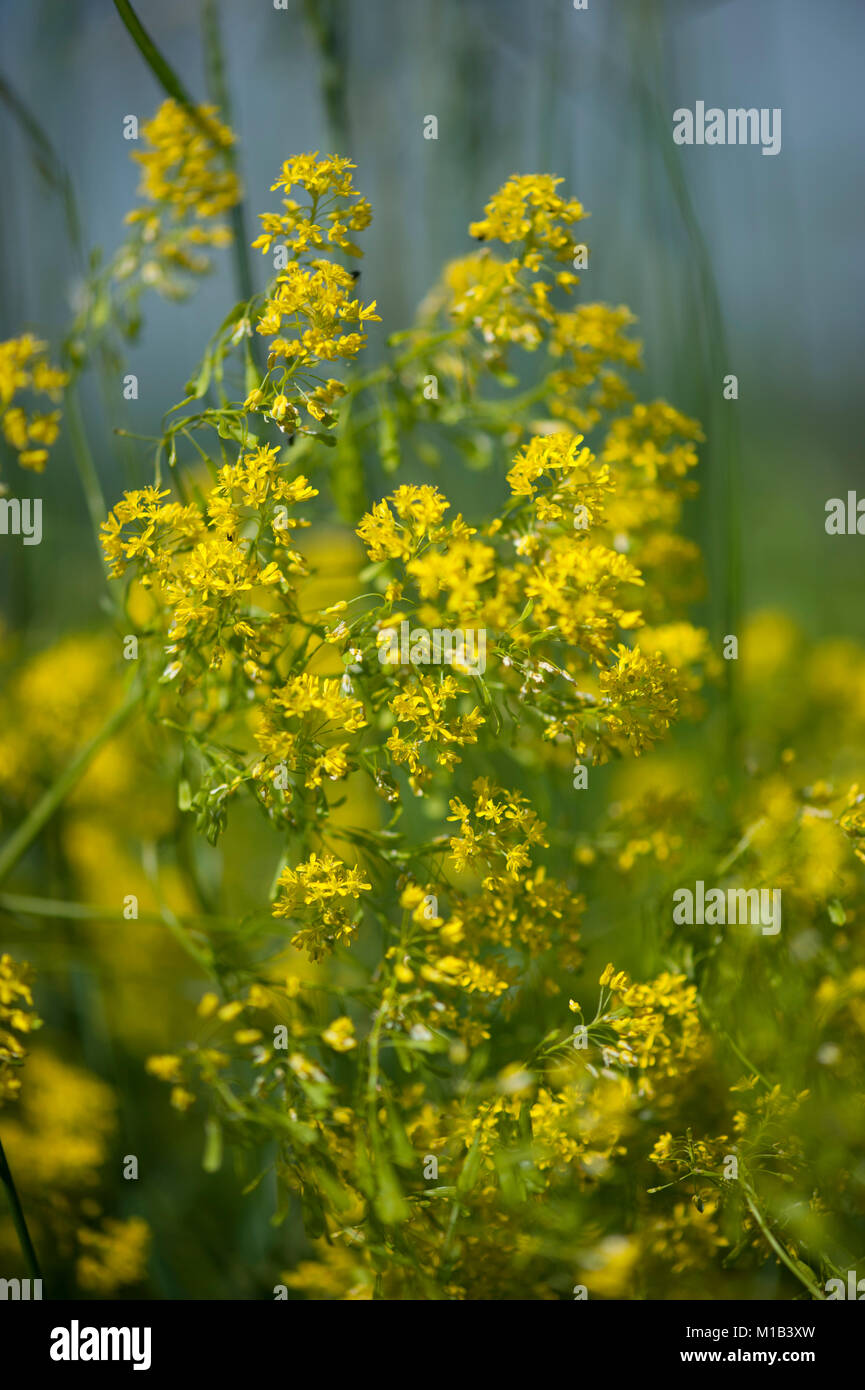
pixel 422 720
pixel 527 209
pixel 296 723
pixel 316 302
pixel 206 564
pixel 59 1136
pixel 312 893
pixel 508 301
pixel 181 167
pixel 58 1140
pixel 24 367
pixel 326 182
pixel 497 833
pixel 683 1154
pixel 16 1017
pixel 574 574
pixel 489 304
pixel 113 1256
pixel 582 1125
pixel 188 185
pixel 656 1026
pixel 309 314
pixel 419 511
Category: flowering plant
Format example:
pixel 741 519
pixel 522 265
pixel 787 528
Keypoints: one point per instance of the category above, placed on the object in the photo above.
pixel 387 1014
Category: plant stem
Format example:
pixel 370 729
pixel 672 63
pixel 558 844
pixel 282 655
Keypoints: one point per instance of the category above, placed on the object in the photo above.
pixel 814 1290
pixel 329 24
pixel 49 165
pixel 724 449
pixel 159 66
pixel 21 839
pixel 86 467
pixel 217 86
pixel 374 1044
pixel 27 906
pixel 18 1217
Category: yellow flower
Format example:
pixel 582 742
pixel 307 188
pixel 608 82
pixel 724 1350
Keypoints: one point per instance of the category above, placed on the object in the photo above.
pixel 113 1257
pixel 16 1017
pixel 183 165
pixel 167 1068
pixel 24 367
pixel 340 1035
pixel 312 892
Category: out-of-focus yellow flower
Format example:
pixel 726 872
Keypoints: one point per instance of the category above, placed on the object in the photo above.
pixel 340 1035
pixel 113 1257
pixel 24 367
pixel 17 1017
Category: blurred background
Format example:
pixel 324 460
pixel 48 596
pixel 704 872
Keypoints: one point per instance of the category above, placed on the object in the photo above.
pixel 733 263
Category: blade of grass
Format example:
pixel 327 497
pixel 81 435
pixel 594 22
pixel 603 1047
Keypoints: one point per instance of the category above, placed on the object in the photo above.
pixel 328 21
pixel 87 473
pixel 722 425
pixel 48 163
pixel 18 1219
pixel 217 87
pixel 21 839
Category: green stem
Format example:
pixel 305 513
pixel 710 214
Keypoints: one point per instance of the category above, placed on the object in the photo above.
pixel 202 956
pixel 49 164
pixel 715 1027
pixel 21 839
pixel 217 86
pixel 814 1289
pixel 25 905
pixel 86 467
pixel 18 1217
pixel 159 66
pixel 724 448
pixel 374 1044
pixel 329 24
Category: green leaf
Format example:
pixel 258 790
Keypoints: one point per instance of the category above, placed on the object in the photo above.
pixel 470 1171
pixel 403 1151
pixel 525 613
pixel 251 1186
pixel 312 1211
pixel 391 1207
pixel 371 571
pixel 487 700
pixel 197 386
pixel 212 1160
pixel 388 440
pixel 337 1195
pixel 511 1188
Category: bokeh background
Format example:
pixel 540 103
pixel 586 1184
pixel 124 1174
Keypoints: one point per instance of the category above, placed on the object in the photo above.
pixel 733 263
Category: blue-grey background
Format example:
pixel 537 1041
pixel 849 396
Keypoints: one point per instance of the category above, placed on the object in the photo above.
pixel 774 244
